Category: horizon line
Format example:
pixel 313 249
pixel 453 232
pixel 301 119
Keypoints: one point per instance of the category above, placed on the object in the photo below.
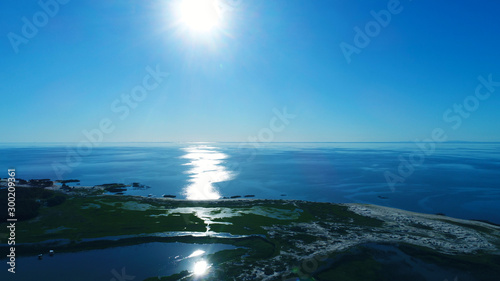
pixel 65 142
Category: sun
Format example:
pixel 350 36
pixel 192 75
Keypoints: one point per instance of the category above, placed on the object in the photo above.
pixel 199 15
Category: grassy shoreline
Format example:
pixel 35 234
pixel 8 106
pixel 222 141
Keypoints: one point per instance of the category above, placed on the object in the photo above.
pixel 272 236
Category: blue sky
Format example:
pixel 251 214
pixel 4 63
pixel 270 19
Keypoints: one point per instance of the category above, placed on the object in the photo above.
pixel 224 84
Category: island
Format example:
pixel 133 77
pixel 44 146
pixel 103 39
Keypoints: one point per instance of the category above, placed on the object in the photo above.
pixel 271 239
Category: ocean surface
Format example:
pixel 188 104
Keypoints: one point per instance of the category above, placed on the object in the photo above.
pixel 458 179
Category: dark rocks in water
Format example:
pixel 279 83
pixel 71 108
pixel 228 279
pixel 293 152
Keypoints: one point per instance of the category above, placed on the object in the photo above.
pixel 283 195
pixel 169 196
pixel 225 197
pixel 383 197
pixel 41 183
pixel 247 196
pixel 68 181
pixel 114 187
pixel 236 196
pixel 39 180
pixel 138 186
pixel 440 214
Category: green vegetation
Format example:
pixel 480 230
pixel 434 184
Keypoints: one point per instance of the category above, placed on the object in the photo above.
pixel 472 226
pixel 355 268
pixel 67 223
pixel 93 217
pixel 56 200
pixel 29 200
pixel 337 213
pixel 421 226
pixel 226 255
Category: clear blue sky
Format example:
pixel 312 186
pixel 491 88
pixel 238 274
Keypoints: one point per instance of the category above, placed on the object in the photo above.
pixel 224 83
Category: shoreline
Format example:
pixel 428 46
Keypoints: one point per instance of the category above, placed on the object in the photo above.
pixel 58 186
pixel 271 233
pixel 396 219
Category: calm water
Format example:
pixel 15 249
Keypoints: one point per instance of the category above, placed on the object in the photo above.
pixel 135 262
pixel 458 179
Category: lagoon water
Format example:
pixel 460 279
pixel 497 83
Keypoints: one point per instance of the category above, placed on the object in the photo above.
pixel 135 262
pixel 458 179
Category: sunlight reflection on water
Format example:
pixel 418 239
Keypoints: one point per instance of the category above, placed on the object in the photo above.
pixel 207 169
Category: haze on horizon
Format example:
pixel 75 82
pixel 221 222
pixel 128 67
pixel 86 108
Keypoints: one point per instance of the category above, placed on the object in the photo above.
pixel 343 71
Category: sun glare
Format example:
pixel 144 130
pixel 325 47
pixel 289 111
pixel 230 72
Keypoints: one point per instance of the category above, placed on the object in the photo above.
pixel 196 253
pixel 200 268
pixel 199 15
